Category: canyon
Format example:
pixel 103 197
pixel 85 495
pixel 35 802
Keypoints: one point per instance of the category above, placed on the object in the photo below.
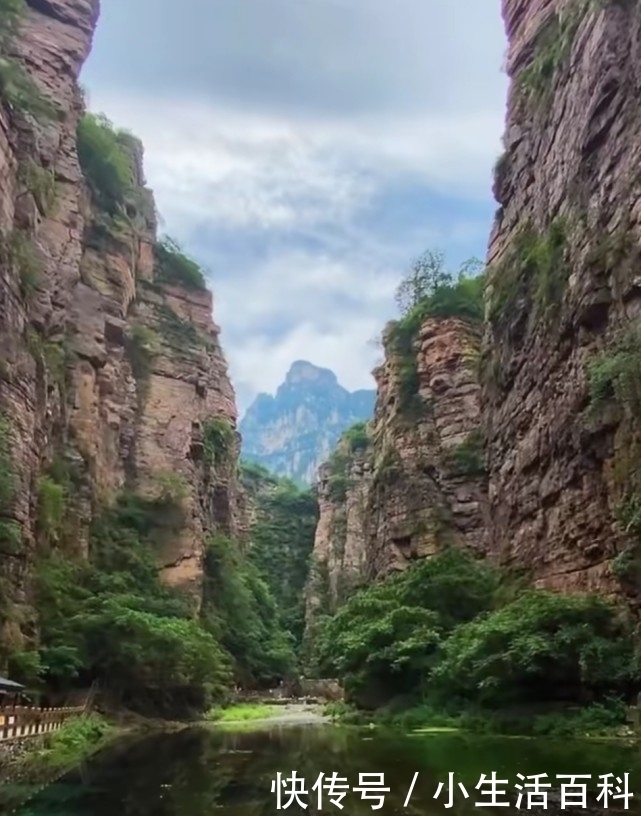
pixel 538 399
pixel 506 417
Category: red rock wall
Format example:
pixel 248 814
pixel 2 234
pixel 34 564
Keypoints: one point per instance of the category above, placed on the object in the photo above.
pixel 572 150
pixel 69 388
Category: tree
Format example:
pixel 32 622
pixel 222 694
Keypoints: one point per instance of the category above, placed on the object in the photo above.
pixel 428 273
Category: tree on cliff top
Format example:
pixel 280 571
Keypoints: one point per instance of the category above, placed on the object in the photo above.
pixel 433 287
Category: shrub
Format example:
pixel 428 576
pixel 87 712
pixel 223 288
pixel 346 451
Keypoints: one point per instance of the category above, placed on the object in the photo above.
pixel 552 50
pixel 178 332
pixel 385 640
pixel 173 487
pixel 173 266
pixel 615 375
pixel 430 290
pixel 16 86
pixel 533 267
pixel 10 531
pixel 357 437
pixel 51 509
pixel 218 437
pixel 18 251
pixel 282 537
pixel 241 613
pixel 105 162
pixel 112 619
pixel 41 183
pixel 541 646
pixel 142 346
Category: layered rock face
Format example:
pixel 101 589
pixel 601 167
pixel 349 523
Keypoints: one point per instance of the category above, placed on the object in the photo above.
pixel 561 360
pixel 415 480
pixel 107 371
pixel 293 432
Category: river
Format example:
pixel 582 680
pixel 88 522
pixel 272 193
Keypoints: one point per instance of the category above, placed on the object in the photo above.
pixel 201 770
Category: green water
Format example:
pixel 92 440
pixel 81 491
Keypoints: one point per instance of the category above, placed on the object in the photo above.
pixel 200 771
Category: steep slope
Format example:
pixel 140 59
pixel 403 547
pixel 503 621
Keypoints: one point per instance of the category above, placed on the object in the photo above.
pixel 118 446
pixel 413 480
pixel 283 520
pixel 294 431
pixel 561 359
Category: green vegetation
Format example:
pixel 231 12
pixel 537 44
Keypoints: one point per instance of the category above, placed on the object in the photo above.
pixel 357 437
pixel 243 712
pixel 18 251
pixel 466 459
pixel 535 267
pixel 218 438
pixel 51 509
pixel 242 615
pixel 112 619
pixel 615 375
pixel 282 540
pixel 72 743
pixel 430 290
pixel 173 266
pixel 10 532
pixel 552 50
pixel 338 482
pixel 142 345
pixel 179 333
pixel 40 182
pixel 354 440
pixel 450 636
pixel 106 163
pixel 17 89
pixel 614 382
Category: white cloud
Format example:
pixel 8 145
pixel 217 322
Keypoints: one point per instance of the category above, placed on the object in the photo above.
pixel 306 150
pixel 241 171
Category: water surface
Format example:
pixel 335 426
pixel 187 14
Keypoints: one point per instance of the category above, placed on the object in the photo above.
pixel 201 771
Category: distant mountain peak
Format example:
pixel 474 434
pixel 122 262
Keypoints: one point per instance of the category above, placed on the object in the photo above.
pixel 293 432
pixel 303 371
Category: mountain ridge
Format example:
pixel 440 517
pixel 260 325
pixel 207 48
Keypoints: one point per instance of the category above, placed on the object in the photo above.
pixel 293 431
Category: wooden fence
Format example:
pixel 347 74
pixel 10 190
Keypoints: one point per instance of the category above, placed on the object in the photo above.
pixel 17 722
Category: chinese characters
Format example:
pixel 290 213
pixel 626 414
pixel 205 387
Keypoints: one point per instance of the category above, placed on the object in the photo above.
pixel 528 793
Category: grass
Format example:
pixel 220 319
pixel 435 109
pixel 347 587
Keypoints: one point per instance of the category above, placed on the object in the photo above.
pixel 243 712
pixel 535 269
pixel 74 741
pixel 598 720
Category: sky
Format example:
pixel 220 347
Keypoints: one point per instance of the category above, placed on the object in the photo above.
pixel 305 152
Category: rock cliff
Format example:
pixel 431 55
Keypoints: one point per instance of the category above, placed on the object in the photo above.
pixel 561 354
pixel 112 376
pixel 552 408
pixel 412 480
pixel 293 432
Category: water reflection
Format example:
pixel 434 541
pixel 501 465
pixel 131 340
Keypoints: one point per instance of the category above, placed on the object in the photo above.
pixel 198 771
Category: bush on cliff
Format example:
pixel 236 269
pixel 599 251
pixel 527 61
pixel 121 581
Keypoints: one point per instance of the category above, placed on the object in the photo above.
pixel 174 267
pixel 16 86
pixel 241 612
pixel 111 619
pixel 430 290
pixel 448 633
pixel 540 647
pixel 105 162
pixel 282 542
pixel 386 639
